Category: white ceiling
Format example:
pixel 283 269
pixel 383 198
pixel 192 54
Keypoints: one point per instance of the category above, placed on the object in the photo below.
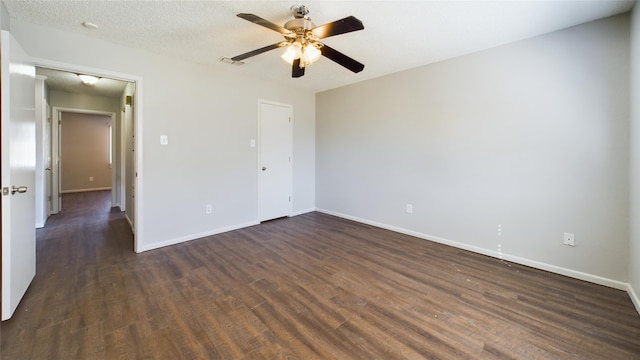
pixel 398 35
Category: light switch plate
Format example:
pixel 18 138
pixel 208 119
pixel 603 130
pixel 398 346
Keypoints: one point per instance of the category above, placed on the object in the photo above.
pixel 164 140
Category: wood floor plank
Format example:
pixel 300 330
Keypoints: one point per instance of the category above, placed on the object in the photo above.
pixel 309 287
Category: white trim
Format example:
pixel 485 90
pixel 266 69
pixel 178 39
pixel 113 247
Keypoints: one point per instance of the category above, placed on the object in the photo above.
pixel 634 297
pixel 301 212
pixel 112 156
pixel 137 228
pixel 41 160
pixel 85 190
pixel 515 259
pixel 57 65
pixel 138 233
pixel 128 220
pixel 195 236
pixel 122 202
pixel 57 110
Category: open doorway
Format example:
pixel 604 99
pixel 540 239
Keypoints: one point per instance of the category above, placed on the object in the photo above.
pixel 84 144
pixel 74 113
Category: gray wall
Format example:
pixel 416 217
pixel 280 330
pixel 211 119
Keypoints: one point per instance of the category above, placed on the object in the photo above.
pixel 83 101
pixel 530 136
pixel 634 179
pixel 210 114
pixel 4 17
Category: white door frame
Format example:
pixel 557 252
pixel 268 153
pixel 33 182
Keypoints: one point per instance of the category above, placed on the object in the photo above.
pixel 290 107
pixel 56 147
pixel 43 168
pixel 138 230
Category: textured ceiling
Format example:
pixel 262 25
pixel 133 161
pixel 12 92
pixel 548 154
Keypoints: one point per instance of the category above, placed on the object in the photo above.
pixel 398 35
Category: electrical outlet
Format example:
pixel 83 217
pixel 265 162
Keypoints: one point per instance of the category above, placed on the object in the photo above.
pixel 409 209
pixel 208 209
pixel 90 178
pixel 569 239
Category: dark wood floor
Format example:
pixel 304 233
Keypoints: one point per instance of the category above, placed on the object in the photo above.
pixel 308 287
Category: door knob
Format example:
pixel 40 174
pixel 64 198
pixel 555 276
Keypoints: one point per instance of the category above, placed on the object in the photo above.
pixel 19 189
pixel 264 168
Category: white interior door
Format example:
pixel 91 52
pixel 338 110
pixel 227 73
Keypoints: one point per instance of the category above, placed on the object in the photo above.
pixel 275 161
pixel 18 173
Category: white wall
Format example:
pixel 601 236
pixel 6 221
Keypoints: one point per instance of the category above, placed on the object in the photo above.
pixel 209 114
pixel 531 136
pixel 634 170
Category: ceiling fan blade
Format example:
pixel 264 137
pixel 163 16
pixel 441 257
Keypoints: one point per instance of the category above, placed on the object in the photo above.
pixel 342 59
pixel 266 23
pixel 296 70
pixel 259 51
pixel 338 27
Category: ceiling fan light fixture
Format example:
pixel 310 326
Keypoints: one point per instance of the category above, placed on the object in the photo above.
pixel 310 54
pixel 294 51
pixel 88 79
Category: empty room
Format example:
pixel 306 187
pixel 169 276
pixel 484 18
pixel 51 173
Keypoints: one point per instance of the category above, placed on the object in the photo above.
pixel 320 180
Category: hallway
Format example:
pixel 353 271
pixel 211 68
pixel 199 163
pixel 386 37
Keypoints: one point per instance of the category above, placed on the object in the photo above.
pixel 77 246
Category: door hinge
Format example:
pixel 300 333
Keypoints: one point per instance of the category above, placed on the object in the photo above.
pixel 289 198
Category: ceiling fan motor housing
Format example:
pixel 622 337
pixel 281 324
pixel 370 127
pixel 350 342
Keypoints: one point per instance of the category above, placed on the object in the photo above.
pixel 299 25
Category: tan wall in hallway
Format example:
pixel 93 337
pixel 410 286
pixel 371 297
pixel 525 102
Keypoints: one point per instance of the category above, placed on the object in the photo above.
pixel 85 152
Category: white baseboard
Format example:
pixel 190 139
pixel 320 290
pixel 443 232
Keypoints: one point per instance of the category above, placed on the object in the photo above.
pixel 634 297
pixel 133 229
pixel 515 259
pixel 194 236
pixel 205 234
pixel 300 212
pixel 84 190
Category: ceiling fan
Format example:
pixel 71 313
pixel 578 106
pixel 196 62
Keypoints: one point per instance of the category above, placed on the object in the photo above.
pixel 302 40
